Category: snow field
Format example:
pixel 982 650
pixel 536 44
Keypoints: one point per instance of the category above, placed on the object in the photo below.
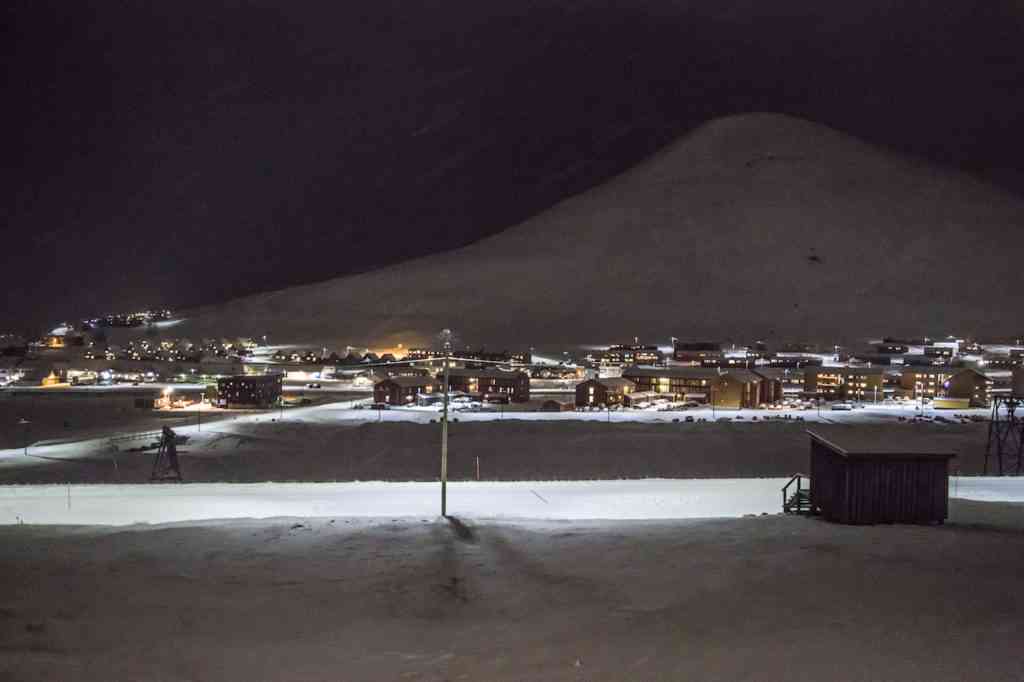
pixel 538 500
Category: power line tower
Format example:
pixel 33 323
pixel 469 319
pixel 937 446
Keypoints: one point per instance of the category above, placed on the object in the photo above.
pixel 1006 435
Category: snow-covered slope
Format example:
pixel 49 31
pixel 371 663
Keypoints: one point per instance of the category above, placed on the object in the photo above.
pixel 753 226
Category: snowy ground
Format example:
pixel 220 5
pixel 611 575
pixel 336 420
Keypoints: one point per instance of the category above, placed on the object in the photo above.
pixel 318 599
pixel 537 500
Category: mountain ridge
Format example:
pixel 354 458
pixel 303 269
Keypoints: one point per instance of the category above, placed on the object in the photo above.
pixel 686 243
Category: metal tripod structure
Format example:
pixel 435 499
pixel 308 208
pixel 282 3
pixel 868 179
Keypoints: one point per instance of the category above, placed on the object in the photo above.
pixel 165 465
pixel 1006 436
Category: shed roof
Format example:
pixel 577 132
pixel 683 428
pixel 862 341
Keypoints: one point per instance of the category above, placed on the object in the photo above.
pixel 873 444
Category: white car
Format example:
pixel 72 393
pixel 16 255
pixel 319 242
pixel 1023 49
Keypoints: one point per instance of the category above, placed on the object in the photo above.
pixel 842 406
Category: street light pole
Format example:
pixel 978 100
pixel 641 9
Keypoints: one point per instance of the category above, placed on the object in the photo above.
pixel 24 422
pixel 444 427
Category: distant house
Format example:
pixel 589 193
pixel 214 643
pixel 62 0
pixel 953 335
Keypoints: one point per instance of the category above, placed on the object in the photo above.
pixel 489 383
pixel 403 390
pixel 603 392
pixel 972 385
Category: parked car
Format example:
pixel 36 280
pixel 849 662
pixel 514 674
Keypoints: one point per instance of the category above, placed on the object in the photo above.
pixel 842 406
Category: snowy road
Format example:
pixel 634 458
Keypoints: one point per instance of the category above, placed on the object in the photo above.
pixel 572 500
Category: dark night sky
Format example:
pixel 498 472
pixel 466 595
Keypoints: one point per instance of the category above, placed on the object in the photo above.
pixel 186 152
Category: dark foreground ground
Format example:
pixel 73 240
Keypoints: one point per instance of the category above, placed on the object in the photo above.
pixel 333 599
pixel 508 450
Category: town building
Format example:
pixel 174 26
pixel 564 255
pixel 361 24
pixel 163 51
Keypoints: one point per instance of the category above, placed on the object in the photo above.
pixel 972 385
pixel 1000 361
pixel 790 380
pixel 680 383
pixel 891 348
pixel 846 383
pixel 940 351
pixel 791 361
pixel 249 390
pixel 471 358
pixel 632 354
pixel 735 388
pixel 740 388
pixel 489 383
pixel 603 392
pixel 925 381
pixel 404 390
pixel 696 353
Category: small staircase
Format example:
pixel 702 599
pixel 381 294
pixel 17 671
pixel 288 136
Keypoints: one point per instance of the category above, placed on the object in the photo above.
pixel 797 500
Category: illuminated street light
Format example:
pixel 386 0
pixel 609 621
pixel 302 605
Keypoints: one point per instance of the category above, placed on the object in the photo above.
pixel 24 422
pixel 446 344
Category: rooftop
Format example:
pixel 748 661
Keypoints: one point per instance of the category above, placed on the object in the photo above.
pixel 864 443
pixel 409 382
pixel 487 372
pixel 678 372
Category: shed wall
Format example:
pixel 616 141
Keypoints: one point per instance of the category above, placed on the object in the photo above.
pixel 878 490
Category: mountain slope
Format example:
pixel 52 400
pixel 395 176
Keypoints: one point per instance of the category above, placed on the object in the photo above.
pixel 753 226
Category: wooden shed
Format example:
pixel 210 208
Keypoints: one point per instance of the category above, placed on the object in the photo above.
pixel 860 479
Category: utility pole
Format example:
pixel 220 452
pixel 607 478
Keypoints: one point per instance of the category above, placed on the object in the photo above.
pixel 447 346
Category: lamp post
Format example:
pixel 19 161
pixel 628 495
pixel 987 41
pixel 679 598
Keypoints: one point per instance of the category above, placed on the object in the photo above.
pixel 24 422
pixel 446 336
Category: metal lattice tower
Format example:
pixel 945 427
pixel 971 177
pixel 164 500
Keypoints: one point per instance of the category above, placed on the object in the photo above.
pixel 1006 435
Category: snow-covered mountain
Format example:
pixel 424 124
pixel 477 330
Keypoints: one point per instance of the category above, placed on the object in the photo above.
pixel 758 226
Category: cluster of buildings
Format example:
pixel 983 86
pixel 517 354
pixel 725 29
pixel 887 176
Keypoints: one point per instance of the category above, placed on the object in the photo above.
pixel 486 384
pixel 955 372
